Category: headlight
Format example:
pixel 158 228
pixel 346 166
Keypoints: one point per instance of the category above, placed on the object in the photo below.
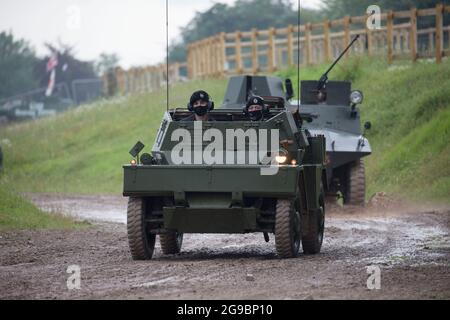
pixel 281 157
pixel 356 97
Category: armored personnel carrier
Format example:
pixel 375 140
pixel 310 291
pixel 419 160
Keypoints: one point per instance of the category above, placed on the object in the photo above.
pixel 230 175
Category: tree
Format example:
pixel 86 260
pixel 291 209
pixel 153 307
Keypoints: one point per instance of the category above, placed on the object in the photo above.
pixel 243 15
pixel 69 67
pixel 106 62
pixel 17 59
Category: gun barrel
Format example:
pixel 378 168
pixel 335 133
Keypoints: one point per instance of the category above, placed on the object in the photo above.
pixel 324 78
pixel 342 54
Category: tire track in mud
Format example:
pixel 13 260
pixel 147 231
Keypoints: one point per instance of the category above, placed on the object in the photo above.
pixel 411 247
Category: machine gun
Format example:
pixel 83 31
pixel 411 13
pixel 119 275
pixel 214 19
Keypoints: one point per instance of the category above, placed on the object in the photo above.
pixel 324 79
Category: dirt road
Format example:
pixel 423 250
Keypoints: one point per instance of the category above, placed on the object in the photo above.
pixel 410 246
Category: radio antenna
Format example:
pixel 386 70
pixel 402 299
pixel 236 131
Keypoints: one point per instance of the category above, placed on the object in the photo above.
pixel 298 57
pixel 167 55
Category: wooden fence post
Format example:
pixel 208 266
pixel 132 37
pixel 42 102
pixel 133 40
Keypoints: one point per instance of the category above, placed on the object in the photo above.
pixel 189 61
pixel 214 55
pixel 290 45
pixel 390 29
pixel 271 51
pixel 223 56
pixel 347 36
pixel 208 51
pixel 255 62
pixel 439 32
pixel 204 59
pixel 369 39
pixel 327 40
pixel 413 35
pixel 238 52
pixel 308 43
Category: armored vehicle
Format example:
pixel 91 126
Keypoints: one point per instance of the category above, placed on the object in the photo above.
pixel 333 105
pixel 222 177
pixel 335 115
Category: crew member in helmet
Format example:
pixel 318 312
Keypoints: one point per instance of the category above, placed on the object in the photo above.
pixel 200 105
pixel 255 108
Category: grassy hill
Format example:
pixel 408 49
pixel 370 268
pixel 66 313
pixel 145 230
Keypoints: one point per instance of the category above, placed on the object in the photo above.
pixel 82 151
pixel 16 213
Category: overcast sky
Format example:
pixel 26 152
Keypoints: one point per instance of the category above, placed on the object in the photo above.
pixel 134 29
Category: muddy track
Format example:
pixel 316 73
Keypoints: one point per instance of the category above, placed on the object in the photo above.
pixel 411 247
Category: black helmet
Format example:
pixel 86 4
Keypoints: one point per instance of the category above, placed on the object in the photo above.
pixel 256 115
pixel 255 100
pixel 200 95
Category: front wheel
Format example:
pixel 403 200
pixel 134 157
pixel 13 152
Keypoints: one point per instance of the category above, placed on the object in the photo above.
pixel 355 185
pixel 287 229
pixel 140 240
pixel 313 239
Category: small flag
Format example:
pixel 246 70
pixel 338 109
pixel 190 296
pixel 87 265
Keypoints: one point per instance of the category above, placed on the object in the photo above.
pixel 51 67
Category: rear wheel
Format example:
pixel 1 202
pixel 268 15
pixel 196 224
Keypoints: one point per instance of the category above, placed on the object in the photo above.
pixel 287 229
pixel 312 241
pixel 355 185
pixel 171 242
pixel 140 240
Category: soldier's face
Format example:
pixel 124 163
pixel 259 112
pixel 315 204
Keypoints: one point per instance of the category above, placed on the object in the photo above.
pixel 200 103
pixel 254 108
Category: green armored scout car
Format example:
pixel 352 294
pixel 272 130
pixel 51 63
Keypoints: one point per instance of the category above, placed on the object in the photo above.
pixel 230 175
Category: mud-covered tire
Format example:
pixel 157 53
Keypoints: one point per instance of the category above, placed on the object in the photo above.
pixel 287 230
pixel 140 241
pixel 313 239
pixel 355 191
pixel 171 242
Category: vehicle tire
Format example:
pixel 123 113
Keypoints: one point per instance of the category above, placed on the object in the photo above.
pixel 287 229
pixel 312 241
pixel 140 241
pixel 171 242
pixel 355 190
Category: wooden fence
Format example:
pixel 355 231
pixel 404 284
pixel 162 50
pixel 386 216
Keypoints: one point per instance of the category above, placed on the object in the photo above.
pixel 265 51
pixel 142 79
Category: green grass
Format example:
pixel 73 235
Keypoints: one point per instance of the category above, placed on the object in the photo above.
pixel 82 151
pixel 17 213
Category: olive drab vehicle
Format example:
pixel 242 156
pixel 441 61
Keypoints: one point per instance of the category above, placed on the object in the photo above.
pixel 169 199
